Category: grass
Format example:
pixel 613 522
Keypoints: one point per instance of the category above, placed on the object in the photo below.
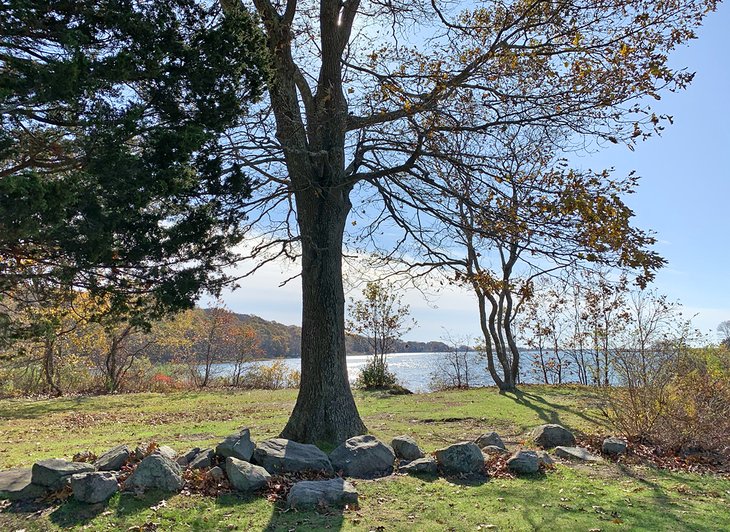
pixel 605 497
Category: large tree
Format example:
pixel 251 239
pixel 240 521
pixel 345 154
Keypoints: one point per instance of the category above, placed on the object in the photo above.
pixel 368 100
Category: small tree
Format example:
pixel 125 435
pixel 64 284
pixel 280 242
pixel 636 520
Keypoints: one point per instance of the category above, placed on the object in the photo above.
pixel 382 319
pixel 452 368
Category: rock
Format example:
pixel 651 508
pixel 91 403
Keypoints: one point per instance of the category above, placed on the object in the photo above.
pixel 245 476
pixel 94 487
pixel 55 473
pixel 113 459
pixel 545 459
pixel 16 485
pixel 524 462
pixel 216 473
pixel 237 445
pixel 167 452
pixel 576 453
pixel 548 436
pixel 278 455
pixel 490 439
pixel 184 459
pixel 493 449
pixel 422 466
pixel 203 460
pixel 614 446
pixel 461 458
pixel 156 472
pixel 363 457
pixel 313 493
pixel 406 448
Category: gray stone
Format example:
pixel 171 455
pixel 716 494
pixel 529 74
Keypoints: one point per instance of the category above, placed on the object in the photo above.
pixel 114 459
pixel 184 459
pixel 237 445
pixel 363 457
pixel 548 436
pixel 279 455
pixel 524 462
pixel 94 487
pixel 313 493
pixel 422 466
pixel 217 474
pixel 16 485
pixel 614 446
pixel 461 458
pixel 576 453
pixel 493 449
pixel 203 460
pixel 167 452
pixel 490 439
pixel 156 472
pixel 545 459
pixel 245 476
pixel 406 448
pixel 55 473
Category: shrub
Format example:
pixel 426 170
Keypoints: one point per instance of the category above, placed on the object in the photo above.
pixel 375 374
pixel 683 405
pixel 269 377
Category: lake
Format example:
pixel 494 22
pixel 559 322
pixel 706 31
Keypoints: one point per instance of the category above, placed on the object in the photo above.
pixel 413 370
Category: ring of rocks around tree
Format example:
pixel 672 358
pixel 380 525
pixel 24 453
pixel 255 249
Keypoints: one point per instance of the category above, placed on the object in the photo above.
pixel 312 477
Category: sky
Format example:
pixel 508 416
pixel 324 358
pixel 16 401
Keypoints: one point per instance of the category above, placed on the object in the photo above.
pixel 683 197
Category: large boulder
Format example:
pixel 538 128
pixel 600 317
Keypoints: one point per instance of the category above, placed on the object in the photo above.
pixel 576 453
pixel 237 445
pixel 245 476
pixel 16 485
pixel 313 493
pixel 203 460
pixel 156 472
pixel 363 457
pixel 461 458
pixel 114 459
pixel 490 439
pixel 524 462
pixel 94 487
pixel 279 455
pixel 614 446
pixel 422 466
pixel 406 448
pixel 549 436
pixel 56 473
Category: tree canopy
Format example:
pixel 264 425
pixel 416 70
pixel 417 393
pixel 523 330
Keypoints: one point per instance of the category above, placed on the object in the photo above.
pixel 114 177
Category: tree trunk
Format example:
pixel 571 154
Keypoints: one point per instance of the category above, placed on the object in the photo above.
pixel 325 411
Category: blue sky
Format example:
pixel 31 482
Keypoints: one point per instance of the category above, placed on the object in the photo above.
pixel 684 197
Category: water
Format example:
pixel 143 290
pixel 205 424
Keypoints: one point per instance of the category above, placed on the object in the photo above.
pixel 413 370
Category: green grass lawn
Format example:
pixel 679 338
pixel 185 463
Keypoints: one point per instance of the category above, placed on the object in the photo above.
pixel 605 497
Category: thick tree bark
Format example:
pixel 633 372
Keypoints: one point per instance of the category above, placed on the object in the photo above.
pixel 325 411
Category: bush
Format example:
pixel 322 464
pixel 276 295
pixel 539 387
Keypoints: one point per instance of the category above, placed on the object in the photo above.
pixel 375 374
pixel 684 406
pixel 269 377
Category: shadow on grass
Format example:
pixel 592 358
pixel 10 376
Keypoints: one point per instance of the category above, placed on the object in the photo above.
pixel 550 412
pixel 283 519
pixel 73 513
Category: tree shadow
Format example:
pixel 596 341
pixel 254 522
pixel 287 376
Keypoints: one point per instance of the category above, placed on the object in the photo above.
pixel 550 412
pixel 73 513
pixel 284 519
